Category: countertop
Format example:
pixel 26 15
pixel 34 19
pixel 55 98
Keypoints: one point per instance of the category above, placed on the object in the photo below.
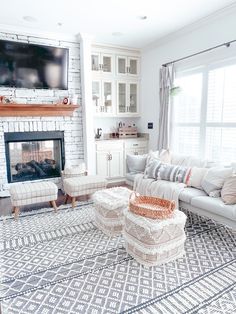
pixel 141 136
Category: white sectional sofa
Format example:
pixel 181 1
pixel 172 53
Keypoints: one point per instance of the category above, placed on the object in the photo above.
pixel 191 198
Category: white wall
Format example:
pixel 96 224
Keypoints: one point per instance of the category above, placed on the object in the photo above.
pixel 199 36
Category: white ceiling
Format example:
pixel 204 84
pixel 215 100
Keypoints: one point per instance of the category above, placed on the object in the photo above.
pixel 101 18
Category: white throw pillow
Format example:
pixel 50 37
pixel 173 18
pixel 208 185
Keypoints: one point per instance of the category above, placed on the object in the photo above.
pixel 228 192
pixel 196 177
pixel 165 156
pixel 152 155
pixel 136 163
pixel 215 178
pixel 187 161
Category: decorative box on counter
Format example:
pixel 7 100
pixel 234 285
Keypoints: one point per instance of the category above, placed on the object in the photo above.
pixel 128 132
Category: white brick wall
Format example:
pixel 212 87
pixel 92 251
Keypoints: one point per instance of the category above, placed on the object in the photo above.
pixel 72 126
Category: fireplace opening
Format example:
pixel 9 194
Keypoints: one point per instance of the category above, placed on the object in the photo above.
pixel 34 155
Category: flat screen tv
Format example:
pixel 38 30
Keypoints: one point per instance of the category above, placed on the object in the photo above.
pixel 33 66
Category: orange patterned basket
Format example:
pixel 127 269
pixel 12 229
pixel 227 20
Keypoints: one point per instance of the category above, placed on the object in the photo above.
pixel 151 207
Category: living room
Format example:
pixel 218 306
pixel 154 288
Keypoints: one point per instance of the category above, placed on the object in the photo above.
pixel 146 105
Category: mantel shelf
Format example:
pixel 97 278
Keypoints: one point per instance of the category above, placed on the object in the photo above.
pixel 39 110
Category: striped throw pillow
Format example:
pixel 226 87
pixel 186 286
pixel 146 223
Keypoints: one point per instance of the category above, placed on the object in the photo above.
pixel 174 173
pixel 161 171
pixel 152 169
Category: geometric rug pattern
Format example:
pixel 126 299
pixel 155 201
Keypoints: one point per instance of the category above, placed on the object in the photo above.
pixel 60 263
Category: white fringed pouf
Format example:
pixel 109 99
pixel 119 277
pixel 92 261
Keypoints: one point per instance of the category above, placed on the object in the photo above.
pixel 154 241
pixel 109 207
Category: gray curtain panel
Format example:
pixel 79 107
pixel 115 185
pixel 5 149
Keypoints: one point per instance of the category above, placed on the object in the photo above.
pixel 166 83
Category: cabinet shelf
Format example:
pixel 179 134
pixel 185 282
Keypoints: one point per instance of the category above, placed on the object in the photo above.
pixel 39 110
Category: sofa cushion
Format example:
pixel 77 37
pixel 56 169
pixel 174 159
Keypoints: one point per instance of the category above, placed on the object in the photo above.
pixel 136 163
pixel 152 169
pixel 215 178
pixel 174 173
pixel 228 192
pixel 188 193
pixel 187 161
pixel 215 205
pixel 165 156
pixel 161 171
pixel 196 177
pixel 130 176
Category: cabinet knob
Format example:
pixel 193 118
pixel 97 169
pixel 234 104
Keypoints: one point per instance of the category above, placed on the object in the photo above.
pixel 109 156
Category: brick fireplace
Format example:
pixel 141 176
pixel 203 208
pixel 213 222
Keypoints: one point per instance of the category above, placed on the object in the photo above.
pixel 71 126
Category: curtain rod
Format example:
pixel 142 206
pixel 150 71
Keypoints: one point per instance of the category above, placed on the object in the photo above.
pixel 227 44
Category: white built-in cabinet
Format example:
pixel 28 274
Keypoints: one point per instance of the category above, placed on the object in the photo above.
pixel 102 63
pixel 136 146
pixel 110 159
pixel 111 156
pixel 103 97
pixel 115 82
pixel 127 97
pixel 127 66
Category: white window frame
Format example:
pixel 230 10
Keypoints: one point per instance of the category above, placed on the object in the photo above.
pixel 202 124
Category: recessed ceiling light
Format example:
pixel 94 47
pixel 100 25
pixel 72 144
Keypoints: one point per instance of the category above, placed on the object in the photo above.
pixel 29 18
pixel 117 34
pixel 59 24
pixel 142 17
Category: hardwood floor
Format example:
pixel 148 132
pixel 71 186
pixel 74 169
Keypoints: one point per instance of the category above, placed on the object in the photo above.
pixel 6 207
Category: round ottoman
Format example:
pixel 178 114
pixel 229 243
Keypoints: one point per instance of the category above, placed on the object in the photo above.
pixel 154 241
pixel 109 207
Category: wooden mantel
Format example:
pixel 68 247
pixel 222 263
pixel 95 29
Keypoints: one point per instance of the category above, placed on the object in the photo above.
pixel 39 110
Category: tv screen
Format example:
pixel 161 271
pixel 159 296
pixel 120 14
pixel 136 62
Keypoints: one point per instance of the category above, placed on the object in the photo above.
pixel 33 66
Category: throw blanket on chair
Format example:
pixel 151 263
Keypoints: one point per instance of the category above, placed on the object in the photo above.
pixel 160 188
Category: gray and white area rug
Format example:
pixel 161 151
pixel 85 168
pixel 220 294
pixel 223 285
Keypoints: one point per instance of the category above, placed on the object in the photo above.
pixel 61 263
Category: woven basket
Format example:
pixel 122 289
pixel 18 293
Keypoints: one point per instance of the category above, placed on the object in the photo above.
pixel 151 207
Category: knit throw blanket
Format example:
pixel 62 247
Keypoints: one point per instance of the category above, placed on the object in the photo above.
pixel 159 188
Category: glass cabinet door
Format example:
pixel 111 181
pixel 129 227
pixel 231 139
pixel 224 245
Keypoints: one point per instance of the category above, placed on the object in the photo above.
pixel 133 66
pixel 122 104
pixel 121 65
pixel 107 63
pixel 95 66
pixel 107 105
pixel 96 94
pixel 133 98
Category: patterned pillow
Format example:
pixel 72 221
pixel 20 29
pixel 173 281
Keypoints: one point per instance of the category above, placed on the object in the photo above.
pixel 161 171
pixel 152 168
pixel 174 173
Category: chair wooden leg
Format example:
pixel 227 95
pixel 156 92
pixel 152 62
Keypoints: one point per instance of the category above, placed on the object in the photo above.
pixel 54 205
pixel 73 202
pixel 66 198
pixel 16 211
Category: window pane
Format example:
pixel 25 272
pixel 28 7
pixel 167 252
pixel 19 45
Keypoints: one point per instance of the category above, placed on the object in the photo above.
pixel 187 104
pixel 221 105
pixel 221 144
pixel 186 140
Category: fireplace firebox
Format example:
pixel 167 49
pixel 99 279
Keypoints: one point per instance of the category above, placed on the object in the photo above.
pixel 34 155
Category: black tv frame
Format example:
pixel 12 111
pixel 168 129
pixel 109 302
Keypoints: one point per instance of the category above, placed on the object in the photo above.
pixel 46 46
